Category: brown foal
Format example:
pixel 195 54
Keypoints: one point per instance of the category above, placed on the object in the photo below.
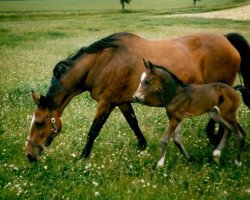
pixel 159 87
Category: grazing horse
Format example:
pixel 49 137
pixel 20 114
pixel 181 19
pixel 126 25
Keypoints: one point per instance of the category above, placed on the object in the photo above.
pixel 159 87
pixel 110 70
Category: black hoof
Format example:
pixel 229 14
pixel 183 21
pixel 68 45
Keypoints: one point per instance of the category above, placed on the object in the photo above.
pixel 142 145
pixel 31 158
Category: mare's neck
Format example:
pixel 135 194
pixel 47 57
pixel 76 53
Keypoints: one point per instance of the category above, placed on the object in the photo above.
pixel 59 96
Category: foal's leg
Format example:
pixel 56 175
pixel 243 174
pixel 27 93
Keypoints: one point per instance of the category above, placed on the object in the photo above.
pixel 241 134
pixel 178 143
pixel 173 123
pixel 102 113
pixel 128 112
pixel 230 124
pixel 210 130
pixel 215 115
pixel 221 145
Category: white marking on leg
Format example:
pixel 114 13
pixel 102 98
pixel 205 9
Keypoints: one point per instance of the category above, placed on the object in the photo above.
pixel 237 163
pixel 160 163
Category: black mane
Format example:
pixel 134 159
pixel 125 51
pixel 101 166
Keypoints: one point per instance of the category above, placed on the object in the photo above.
pixel 108 42
pixel 63 66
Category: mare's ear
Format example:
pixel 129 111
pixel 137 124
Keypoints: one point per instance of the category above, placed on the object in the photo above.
pixel 41 101
pixel 35 97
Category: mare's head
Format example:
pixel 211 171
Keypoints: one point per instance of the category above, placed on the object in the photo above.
pixel 157 86
pixel 45 125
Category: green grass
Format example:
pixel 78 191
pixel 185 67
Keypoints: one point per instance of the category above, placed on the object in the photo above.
pixel 32 44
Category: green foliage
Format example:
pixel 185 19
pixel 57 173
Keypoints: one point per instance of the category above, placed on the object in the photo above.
pixel 31 43
pixel 122 2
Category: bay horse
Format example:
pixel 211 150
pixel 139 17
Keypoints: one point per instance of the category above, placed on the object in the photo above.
pixel 159 87
pixel 110 70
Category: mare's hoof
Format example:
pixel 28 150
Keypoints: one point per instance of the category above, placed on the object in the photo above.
pixel 142 145
pixel 84 155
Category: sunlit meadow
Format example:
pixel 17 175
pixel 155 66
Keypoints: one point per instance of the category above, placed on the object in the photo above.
pixel 33 39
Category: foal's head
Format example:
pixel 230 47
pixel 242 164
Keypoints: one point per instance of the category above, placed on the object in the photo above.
pixel 45 125
pixel 157 86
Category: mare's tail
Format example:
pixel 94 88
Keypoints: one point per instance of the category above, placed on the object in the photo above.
pixel 242 46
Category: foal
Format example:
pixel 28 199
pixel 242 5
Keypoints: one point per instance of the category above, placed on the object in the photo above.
pixel 161 88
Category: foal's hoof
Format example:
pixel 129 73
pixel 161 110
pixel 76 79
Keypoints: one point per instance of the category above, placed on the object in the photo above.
pixel 238 163
pixel 216 156
pixel 160 163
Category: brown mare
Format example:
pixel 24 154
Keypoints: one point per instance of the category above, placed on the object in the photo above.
pixel 110 70
pixel 159 87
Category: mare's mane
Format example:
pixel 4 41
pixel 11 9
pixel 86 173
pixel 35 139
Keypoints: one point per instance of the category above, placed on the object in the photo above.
pixel 63 66
pixel 173 76
pixel 108 42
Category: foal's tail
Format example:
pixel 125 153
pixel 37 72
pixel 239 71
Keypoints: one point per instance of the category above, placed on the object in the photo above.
pixel 242 46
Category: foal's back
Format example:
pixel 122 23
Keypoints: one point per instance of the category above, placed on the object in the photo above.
pixel 200 99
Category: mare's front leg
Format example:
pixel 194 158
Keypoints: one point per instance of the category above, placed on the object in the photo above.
pixel 102 113
pixel 178 142
pixel 173 123
pixel 128 112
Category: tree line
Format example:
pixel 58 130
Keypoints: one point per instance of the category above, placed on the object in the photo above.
pixel 123 2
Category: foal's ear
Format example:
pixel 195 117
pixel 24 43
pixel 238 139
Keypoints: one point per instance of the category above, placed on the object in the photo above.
pixel 35 97
pixel 151 66
pixel 145 63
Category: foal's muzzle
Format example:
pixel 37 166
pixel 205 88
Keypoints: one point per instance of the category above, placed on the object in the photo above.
pixel 136 99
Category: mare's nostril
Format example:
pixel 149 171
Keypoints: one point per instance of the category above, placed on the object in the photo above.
pixel 31 157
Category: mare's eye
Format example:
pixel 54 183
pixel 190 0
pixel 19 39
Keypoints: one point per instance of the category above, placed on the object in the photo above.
pixel 147 81
pixel 39 124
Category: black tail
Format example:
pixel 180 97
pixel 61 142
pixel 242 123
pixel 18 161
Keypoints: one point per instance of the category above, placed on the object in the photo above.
pixel 242 46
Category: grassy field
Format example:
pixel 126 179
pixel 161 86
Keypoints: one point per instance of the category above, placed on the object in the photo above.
pixel 34 36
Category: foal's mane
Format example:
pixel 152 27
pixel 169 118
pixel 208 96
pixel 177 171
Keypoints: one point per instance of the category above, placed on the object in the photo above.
pixel 173 76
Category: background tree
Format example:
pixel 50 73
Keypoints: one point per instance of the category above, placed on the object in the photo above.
pixel 123 3
pixel 194 1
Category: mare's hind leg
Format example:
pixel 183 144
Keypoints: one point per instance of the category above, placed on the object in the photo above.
pixel 102 113
pixel 129 114
pixel 173 123
pixel 178 143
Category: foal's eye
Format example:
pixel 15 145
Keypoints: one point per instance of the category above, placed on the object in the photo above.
pixel 147 81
